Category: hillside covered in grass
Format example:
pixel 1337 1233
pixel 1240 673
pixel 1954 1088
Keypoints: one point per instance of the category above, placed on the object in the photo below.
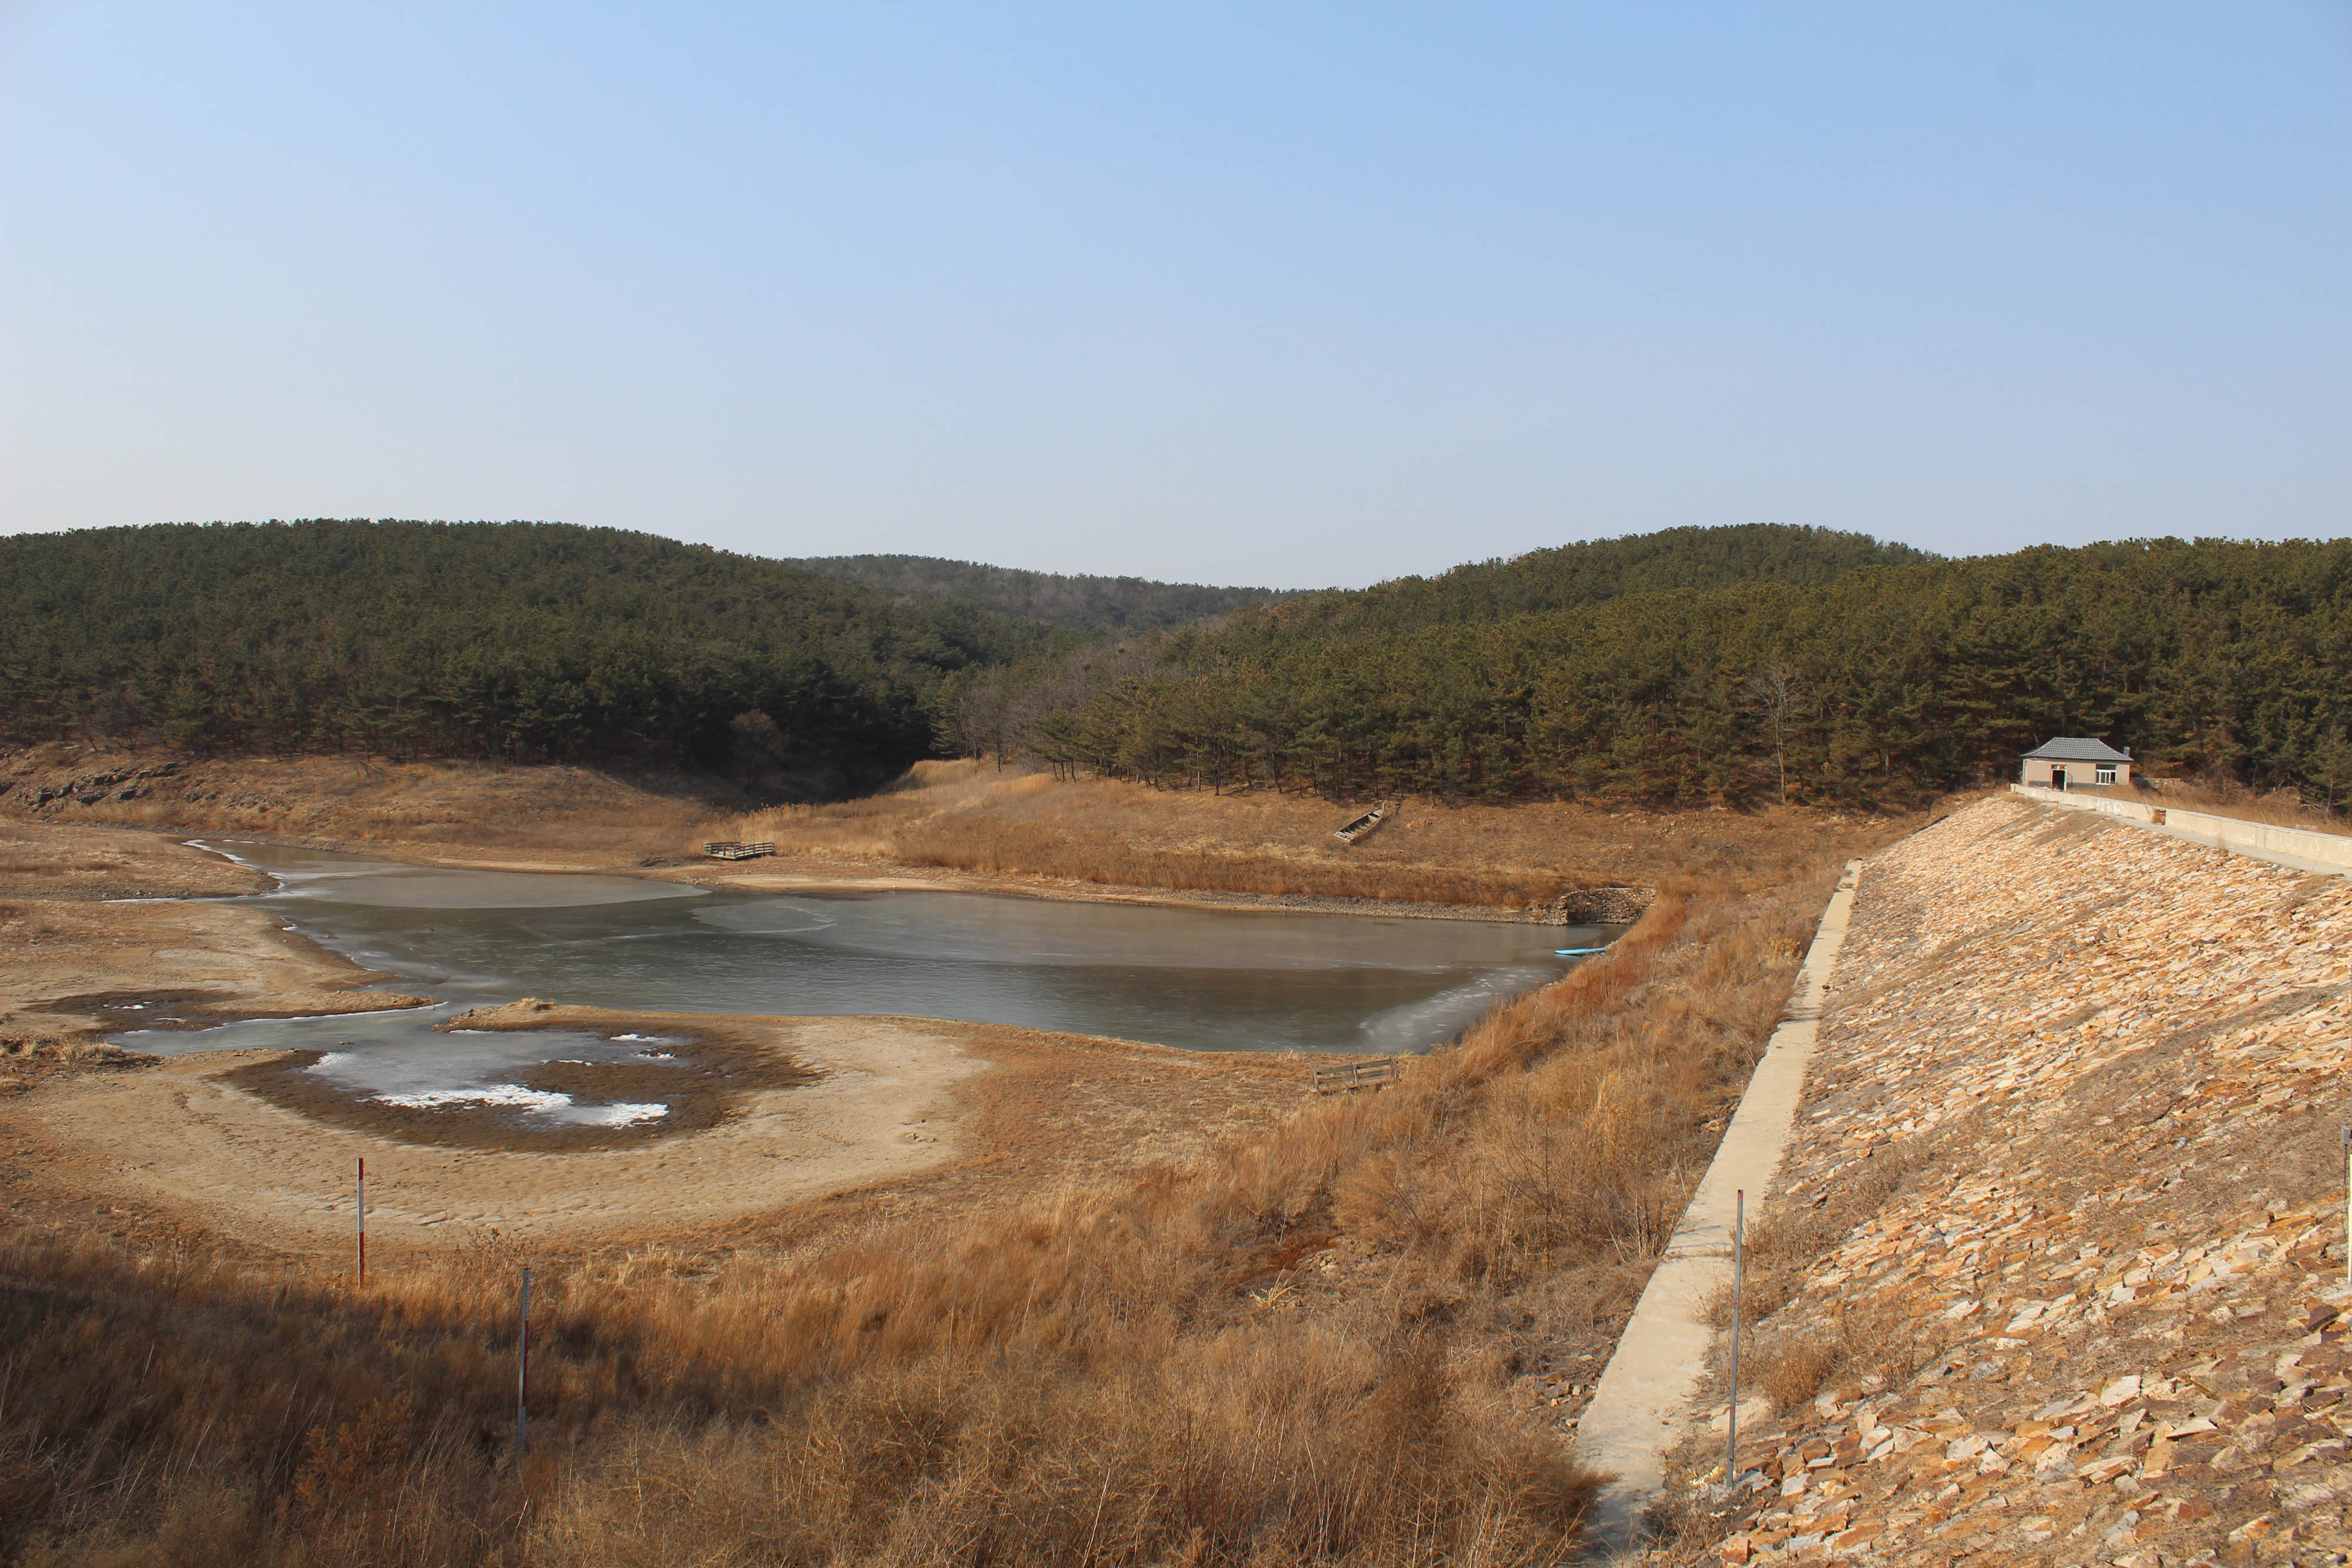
pixel 528 640
pixel 1726 668
pixel 1074 602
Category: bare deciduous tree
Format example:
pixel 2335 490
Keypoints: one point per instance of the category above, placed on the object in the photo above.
pixel 1774 691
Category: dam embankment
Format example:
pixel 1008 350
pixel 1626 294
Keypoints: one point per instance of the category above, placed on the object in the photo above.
pixel 2052 1269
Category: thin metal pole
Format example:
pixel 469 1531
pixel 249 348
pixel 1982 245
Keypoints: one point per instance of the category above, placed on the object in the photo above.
pixel 523 1372
pixel 363 1223
pixel 1739 1265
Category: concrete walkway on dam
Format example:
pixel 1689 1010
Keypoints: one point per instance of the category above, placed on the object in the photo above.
pixel 1637 1410
pixel 2296 849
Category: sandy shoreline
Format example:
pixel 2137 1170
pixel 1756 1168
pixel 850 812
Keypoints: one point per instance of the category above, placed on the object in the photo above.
pixel 79 958
pixel 179 1135
pixel 898 1117
pixel 801 875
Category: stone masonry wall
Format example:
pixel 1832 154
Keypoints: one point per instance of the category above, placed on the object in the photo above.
pixel 2070 1160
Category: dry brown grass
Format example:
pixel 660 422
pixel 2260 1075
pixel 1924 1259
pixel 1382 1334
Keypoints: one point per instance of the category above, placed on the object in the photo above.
pixel 1303 1350
pixel 968 817
pixel 40 861
pixel 2282 808
pixel 963 818
pixel 1791 1364
pixel 606 813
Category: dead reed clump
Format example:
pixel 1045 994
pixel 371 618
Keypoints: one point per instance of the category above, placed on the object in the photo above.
pixel 1790 1369
pixel 1285 1447
pixel 1788 1241
pixel 1791 1364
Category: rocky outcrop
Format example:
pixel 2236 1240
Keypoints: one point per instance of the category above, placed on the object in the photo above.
pixel 2063 1218
pixel 88 789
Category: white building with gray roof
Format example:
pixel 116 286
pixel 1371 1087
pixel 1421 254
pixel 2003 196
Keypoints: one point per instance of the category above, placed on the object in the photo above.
pixel 2067 760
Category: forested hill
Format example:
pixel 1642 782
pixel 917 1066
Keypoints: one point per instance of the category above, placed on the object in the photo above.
pixel 1567 576
pixel 1853 684
pixel 1555 578
pixel 1079 602
pixel 1691 667
pixel 523 639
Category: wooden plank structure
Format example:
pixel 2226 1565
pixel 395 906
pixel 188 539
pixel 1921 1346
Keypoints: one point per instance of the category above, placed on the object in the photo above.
pixel 725 850
pixel 1346 1077
pixel 1365 823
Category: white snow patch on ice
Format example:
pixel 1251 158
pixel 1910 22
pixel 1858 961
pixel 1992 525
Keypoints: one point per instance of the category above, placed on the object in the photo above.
pixel 495 1095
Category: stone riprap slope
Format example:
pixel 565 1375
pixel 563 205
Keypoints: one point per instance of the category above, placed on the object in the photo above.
pixel 2062 1217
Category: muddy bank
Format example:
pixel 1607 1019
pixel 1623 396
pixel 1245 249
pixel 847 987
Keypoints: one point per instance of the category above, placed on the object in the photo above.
pixel 789 877
pixel 707 1070
pixel 80 961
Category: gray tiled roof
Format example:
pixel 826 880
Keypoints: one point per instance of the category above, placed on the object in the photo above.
pixel 2076 748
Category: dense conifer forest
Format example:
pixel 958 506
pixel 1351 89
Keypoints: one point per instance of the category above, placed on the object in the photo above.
pixel 1695 666
pixel 1820 667
pixel 1077 602
pixel 517 639
pixel 1592 573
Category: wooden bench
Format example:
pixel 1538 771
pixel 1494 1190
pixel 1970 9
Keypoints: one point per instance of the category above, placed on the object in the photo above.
pixel 1346 1077
pixel 733 851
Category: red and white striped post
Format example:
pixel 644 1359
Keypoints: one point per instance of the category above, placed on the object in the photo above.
pixel 1738 1267
pixel 522 1371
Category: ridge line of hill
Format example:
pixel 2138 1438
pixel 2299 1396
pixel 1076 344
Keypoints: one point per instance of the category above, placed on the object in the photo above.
pixel 1077 601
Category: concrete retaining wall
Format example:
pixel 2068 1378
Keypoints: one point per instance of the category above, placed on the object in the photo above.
pixel 2294 847
pixel 1600 906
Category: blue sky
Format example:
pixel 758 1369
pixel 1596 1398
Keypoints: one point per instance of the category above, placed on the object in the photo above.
pixel 1268 294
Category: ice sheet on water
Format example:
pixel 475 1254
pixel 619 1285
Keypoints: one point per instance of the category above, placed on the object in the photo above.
pixel 1200 979
pixel 325 876
pixel 1438 1018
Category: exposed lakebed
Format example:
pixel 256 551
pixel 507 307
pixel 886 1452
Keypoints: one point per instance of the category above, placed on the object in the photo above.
pixel 1198 979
